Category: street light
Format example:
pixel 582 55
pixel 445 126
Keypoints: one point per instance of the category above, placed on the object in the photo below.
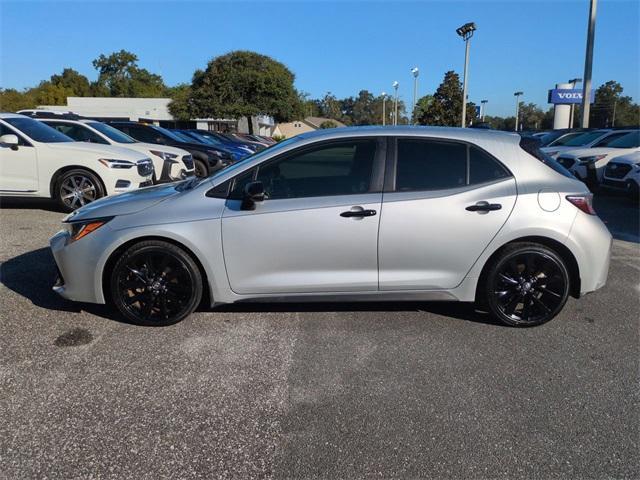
pixel 415 72
pixel 384 108
pixel 466 32
pixel 482 109
pixel 573 82
pixel 588 65
pixel 395 85
pixel 517 95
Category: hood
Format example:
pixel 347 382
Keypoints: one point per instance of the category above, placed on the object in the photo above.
pixel 99 151
pixel 163 148
pixel 632 158
pixel 590 152
pixel 125 203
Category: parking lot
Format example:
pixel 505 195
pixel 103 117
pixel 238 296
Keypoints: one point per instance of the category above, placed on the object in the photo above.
pixel 299 391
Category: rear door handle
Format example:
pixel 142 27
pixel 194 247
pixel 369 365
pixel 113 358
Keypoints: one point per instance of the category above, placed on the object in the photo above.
pixel 358 213
pixel 484 207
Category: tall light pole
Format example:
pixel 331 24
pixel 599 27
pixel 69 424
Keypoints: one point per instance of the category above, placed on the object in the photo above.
pixel 395 85
pixel 483 109
pixel 573 82
pixel 466 32
pixel 415 72
pixel 517 95
pixel 384 108
pixel 588 64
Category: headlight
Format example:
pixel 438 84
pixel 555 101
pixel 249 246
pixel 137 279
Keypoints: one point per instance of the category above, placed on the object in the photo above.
pixel 114 163
pixel 77 230
pixel 591 159
pixel 163 155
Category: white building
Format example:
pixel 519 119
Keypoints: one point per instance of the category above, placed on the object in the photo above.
pixel 154 111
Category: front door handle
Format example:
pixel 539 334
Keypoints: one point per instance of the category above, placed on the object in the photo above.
pixel 484 207
pixel 358 213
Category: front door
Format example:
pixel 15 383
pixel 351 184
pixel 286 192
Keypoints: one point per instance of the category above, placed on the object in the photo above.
pixel 317 229
pixel 447 202
pixel 18 165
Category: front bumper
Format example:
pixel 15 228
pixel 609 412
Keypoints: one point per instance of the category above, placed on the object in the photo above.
pixel 75 264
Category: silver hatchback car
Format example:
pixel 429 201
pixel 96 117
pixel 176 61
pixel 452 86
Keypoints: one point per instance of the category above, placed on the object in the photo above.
pixel 371 213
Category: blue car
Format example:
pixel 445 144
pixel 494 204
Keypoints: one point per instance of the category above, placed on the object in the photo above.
pixel 237 151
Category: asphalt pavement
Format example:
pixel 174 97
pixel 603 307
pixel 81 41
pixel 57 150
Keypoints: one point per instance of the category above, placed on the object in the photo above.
pixel 348 390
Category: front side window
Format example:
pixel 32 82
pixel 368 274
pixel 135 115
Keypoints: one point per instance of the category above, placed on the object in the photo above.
pixel 606 141
pixel 629 140
pixel 36 130
pixel 340 168
pixel 145 134
pixel 4 130
pixel 584 139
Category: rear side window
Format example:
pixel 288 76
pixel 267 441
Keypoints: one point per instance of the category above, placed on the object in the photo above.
pixel 433 165
pixel 427 165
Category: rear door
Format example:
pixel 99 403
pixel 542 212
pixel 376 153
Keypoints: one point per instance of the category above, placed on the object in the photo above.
pixel 443 203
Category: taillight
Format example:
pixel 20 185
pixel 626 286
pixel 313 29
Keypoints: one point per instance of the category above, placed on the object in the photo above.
pixel 583 202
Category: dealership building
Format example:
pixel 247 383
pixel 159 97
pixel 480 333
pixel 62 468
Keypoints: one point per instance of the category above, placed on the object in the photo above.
pixel 155 111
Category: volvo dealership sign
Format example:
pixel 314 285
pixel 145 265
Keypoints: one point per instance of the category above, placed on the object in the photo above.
pixel 561 96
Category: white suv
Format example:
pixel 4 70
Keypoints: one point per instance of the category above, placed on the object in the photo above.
pixel 623 174
pixel 39 161
pixel 170 163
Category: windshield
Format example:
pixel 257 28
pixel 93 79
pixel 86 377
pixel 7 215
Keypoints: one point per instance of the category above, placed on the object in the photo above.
pixel 584 139
pixel 630 140
pixel 200 138
pixel 37 131
pixel 170 134
pixel 563 139
pixel 203 137
pixel 113 133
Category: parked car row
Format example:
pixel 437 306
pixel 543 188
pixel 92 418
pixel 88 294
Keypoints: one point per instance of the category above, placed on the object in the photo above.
pixel 601 158
pixel 76 160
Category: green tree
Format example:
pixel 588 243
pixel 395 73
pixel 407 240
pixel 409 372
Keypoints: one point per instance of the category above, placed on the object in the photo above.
pixel 445 107
pixel 179 107
pixel 331 107
pixel 75 83
pixel 328 124
pixel 120 76
pixel 12 100
pixel 244 84
pixel 611 108
pixel 531 116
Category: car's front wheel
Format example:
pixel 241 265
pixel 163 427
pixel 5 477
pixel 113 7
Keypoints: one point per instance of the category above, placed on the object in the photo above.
pixel 76 188
pixel 156 283
pixel 527 284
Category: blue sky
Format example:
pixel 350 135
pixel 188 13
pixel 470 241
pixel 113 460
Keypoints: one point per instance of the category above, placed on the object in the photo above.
pixel 341 47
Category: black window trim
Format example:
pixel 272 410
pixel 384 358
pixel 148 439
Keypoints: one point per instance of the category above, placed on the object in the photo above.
pixel 225 189
pixel 392 157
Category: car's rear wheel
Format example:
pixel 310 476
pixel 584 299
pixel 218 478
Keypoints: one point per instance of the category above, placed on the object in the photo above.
pixel 76 188
pixel 527 284
pixel 200 168
pixel 156 283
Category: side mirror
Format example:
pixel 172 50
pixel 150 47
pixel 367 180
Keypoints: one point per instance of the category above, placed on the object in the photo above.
pixel 10 140
pixel 253 192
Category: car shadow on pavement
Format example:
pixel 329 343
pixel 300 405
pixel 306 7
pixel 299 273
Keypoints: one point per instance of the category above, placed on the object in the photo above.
pixel 32 274
pixel 30 203
pixel 621 215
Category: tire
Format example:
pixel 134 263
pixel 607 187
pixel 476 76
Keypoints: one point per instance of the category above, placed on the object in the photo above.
pixel 200 168
pixel 155 283
pixel 526 284
pixel 76 188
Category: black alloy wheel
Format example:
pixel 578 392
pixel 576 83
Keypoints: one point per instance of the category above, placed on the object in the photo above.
pixel 527 285
pixel 156 283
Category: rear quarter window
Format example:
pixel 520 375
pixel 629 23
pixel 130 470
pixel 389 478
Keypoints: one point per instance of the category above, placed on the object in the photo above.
pixel 531 145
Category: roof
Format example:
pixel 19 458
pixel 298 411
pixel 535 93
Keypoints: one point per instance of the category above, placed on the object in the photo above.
pixel 457 133
pixel 10 115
